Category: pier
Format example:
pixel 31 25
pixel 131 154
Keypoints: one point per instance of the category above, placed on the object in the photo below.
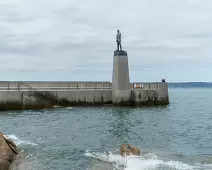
pixel 119 92
pixel 39 95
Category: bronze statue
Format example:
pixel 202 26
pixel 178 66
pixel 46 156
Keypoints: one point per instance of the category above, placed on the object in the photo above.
pixel 118 40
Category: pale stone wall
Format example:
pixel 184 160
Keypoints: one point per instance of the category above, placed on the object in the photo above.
pixel 120 78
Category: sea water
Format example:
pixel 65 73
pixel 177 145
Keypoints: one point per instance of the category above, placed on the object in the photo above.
pixel 173 137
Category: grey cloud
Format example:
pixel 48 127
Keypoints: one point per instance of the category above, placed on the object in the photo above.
pixel 74 35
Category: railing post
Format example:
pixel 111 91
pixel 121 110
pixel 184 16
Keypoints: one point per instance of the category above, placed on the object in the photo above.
pixel 18 86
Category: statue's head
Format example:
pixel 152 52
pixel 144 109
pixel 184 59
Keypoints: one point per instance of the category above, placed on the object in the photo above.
pixel 118 31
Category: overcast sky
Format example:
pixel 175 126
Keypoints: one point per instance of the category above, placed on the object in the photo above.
pixel 74 40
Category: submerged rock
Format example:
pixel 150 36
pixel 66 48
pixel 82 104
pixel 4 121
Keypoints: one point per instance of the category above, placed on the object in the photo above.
pixel 8 152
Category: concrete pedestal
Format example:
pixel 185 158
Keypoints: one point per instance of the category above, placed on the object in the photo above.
pixel 120 80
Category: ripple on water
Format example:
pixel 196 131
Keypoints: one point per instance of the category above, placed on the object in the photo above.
pixel 178 135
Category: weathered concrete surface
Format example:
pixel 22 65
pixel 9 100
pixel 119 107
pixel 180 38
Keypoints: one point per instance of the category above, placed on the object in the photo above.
pixel 85 97
pixel 163 93
pixel 144 95
pixel 16 100
pixel 147 94
pixel 120 78
pixel 158 96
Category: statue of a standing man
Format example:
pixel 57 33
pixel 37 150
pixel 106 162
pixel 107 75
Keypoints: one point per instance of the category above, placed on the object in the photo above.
pixel 118 40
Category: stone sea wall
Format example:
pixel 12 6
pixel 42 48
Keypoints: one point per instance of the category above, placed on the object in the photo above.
pixel 15 100
pixel 147 94
pixel 19 95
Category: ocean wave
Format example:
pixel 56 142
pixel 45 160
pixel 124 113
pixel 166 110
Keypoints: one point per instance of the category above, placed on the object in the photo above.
pixel 145 162
pixel 19 142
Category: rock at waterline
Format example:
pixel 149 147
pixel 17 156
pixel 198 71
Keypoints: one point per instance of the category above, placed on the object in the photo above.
pixel 129 149
pixel 8 152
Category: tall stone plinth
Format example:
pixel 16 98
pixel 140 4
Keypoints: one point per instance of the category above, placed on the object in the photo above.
pixel 120 80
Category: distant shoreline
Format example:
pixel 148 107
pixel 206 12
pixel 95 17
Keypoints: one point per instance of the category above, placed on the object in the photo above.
pixel 190 85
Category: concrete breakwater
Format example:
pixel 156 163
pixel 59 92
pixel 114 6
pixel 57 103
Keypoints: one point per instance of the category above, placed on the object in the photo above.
pixel 32 95
pixel 38 95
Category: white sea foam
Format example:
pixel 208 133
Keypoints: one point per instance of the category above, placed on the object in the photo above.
pixel 19 142
pixel 68 108
pixel 146 162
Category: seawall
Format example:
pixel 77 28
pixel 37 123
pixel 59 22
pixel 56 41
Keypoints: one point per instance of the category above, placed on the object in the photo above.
pixel 150 93
pixel 40 95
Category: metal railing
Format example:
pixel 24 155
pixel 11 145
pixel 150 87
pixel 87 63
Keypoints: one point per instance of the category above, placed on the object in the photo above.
pixel 22 86
pixel 144 86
